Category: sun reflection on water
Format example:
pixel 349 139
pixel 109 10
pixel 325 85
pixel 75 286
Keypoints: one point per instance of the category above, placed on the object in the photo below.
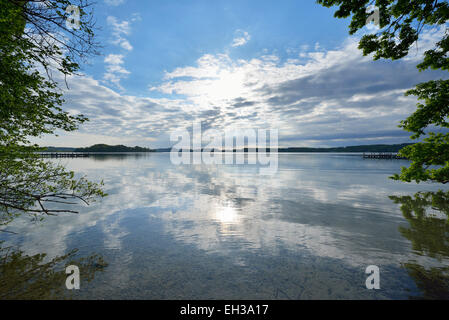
pixel 227 215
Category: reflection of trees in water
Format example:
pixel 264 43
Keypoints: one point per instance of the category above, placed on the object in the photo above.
pixel 429 234
pixel 29 277
pixel 433 282
pixel 105 157
pixel 117 156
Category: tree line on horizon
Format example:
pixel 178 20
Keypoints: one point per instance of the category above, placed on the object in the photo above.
pixel 394 148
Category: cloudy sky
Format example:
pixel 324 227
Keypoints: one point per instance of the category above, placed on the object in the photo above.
pixel 287 65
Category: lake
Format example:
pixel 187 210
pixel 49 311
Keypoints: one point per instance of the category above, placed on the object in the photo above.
pixel 309 231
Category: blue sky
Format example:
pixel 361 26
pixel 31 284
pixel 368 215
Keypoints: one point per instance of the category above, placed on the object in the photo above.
pixel 169 34
pixel 287 65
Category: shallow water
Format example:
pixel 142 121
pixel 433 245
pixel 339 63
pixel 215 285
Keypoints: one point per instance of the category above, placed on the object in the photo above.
pixel 226 232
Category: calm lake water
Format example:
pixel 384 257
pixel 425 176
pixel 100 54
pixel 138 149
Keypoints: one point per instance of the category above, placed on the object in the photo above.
pixel 226 232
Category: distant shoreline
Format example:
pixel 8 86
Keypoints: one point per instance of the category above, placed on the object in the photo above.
pixel 105 149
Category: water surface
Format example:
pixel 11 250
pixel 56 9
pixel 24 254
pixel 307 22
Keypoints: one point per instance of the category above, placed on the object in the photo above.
pixel 226 232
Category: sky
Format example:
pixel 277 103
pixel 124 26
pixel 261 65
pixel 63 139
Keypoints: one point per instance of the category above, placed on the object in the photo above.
pixel 287 65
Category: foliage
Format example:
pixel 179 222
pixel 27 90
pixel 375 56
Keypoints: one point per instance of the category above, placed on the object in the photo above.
pixel 37 187
pixel 401 22
pixel 35 44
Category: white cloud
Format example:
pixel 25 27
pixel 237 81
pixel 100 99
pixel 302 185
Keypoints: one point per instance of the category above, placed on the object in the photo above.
pixel 115 59
pixel 119 31
pixel 114 69
pixel 336 94
pixel 241 39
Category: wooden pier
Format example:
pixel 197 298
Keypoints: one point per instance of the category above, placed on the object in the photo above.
pixel 63 155
pixel 382 155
